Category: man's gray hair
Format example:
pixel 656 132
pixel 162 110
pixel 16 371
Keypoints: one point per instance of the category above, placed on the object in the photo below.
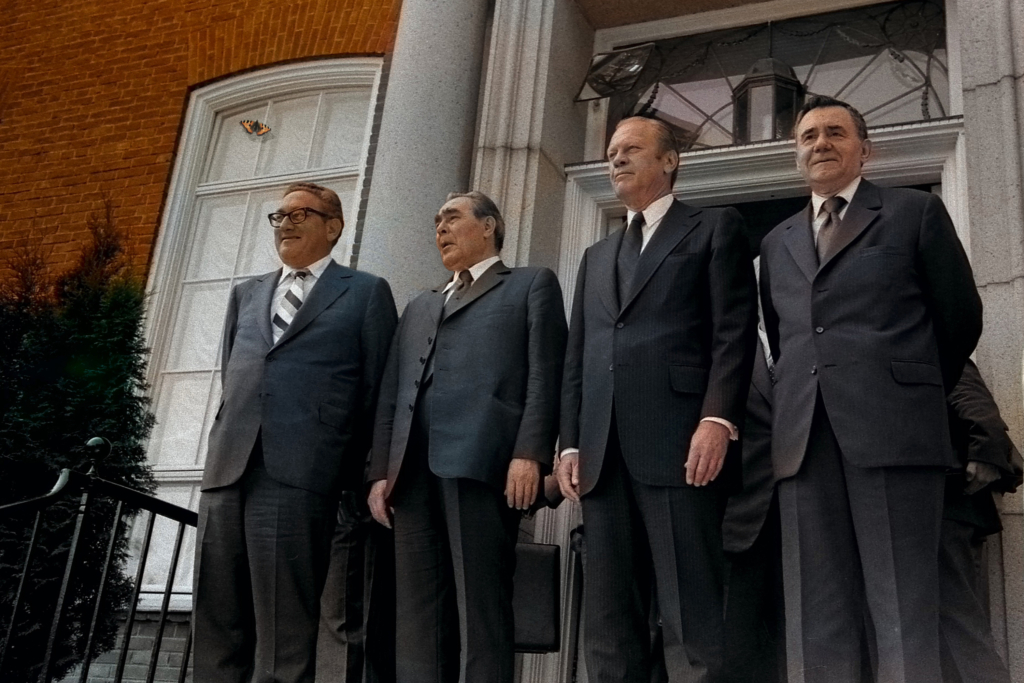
pixel 484 206
pixel 822 101
pixel 325 194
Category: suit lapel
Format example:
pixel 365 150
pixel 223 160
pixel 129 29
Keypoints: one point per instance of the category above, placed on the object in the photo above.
pixel 603 268
pixel 862 213
pixel 328 287
pixel 677 224
pixel 491 278
pixel 263 298
pixel 799 239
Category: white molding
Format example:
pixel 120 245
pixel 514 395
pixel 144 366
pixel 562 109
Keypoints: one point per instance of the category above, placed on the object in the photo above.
pixel 175 231
pixel 905 154
pixel 690 24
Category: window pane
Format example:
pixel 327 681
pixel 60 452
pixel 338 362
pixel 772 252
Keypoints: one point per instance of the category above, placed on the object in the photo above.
pixel 342 127
pixel 286 148
pixel 219 227
pixel 235 150
pixel 180 406
pixel 258 254
pixel 195 341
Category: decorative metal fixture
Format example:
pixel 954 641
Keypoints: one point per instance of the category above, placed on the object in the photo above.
pixel 746 84
pixel 766 101
pixel 614 72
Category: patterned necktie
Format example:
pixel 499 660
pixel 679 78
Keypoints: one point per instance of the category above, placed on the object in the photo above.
pixel 629 253
pixel 290 304
pixel 827 231
pixel 461 285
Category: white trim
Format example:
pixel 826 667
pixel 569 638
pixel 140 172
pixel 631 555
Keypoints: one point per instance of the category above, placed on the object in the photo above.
pixel 171 248
pixel 905 154
pixel 745 15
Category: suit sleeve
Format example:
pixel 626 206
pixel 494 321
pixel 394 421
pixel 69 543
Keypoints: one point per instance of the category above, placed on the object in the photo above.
pixel 538 428
pixel 230 328
pixel 953 299
pixel 572 375
pixel 385 415
pixel 733 294
pixel 379 323
pixel 975 414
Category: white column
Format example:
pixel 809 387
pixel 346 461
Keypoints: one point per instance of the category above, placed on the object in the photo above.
pixel 425 146
pixel 991 37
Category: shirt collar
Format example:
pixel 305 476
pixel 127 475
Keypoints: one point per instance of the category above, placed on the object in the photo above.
pixel 846 193
pixel 475 270
pixel 316 269
pixel 655 211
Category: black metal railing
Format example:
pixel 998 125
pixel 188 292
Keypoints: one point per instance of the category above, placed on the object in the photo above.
pixel 128 502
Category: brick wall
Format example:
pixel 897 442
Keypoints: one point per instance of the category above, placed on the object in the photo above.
pixel 140 649
pixel 92 95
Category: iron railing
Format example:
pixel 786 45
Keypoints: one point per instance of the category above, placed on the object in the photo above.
pixel 128 501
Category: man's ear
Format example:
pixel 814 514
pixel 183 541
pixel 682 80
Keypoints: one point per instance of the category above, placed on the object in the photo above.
pixel 334 228
pixel 866 148
pixel 490 224
pixel 672 156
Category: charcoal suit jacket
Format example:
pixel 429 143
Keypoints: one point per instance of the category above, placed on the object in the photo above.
pixel 678 347
pixel 747 509
pixel 497 368
pixel 882 328
pixel 311 396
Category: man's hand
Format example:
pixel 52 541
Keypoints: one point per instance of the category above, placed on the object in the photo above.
pixel 707 453
pixel 522 482
pixel 979 475
pixel 378 508
pixel 568 473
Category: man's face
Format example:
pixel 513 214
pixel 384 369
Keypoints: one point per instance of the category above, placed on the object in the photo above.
pixel 463 239
pixel 312 239
pixel 640 171
pixel 829 152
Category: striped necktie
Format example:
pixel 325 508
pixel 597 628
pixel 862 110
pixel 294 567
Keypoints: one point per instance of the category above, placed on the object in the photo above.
pixel 290 304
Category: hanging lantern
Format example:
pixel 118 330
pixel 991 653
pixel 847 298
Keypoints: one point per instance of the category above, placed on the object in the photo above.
pixel 766 101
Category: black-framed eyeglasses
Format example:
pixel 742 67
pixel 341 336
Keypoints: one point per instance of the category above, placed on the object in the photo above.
pixel 297 216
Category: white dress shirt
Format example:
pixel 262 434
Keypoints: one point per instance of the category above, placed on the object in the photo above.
pixel 475 270
pixel 284 283
pixel 818 202
pixel 653 214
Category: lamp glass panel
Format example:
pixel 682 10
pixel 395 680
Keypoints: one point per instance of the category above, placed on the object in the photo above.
pixel 762 113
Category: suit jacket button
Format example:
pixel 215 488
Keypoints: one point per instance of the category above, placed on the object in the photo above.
pixel 611 368
pixel 416 383
pixel 819 330
pixel 430 340
pixel 422 360
pixel 410 407
pixel 814 370
pixel 620 325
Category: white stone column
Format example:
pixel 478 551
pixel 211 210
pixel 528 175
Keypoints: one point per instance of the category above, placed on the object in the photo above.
pixel 991 34
pixel 425 148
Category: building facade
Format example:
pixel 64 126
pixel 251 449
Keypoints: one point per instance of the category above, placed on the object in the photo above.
pixel 191 117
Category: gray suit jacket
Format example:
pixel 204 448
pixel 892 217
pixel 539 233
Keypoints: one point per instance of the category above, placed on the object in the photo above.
pixel 882 327
pixel 312 395
pixel 498 358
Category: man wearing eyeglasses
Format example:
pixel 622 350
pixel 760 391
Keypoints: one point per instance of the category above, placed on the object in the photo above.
pixel 303 352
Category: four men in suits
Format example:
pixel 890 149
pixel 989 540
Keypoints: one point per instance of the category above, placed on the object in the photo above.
pixel 467 422
pixel 661 347
pixel 871 311
pixel 303 352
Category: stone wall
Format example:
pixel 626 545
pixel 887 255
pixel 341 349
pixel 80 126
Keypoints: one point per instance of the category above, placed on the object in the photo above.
pixel 140 649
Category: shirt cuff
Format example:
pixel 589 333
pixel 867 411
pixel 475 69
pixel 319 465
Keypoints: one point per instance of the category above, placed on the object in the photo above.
pixel 734 434
pixel 568 451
